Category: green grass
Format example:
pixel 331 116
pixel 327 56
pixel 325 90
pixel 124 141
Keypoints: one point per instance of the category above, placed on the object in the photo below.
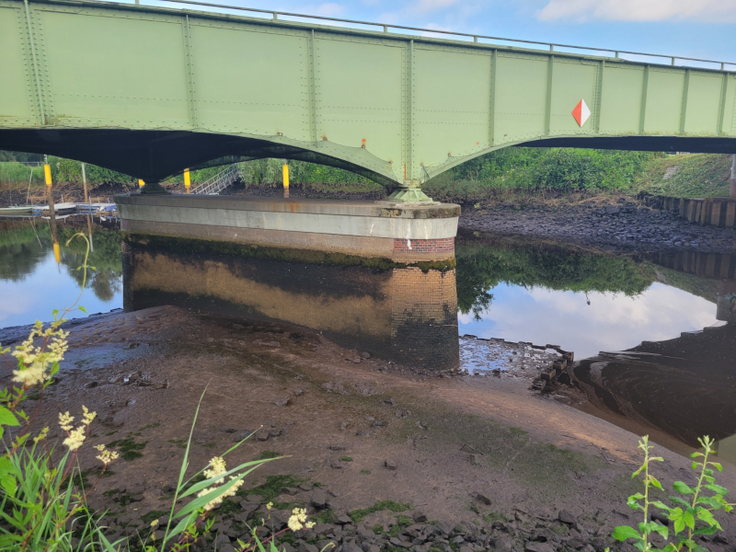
pixel 268 454
pixel 358 515
pixel 346 459
pixel 153 515
pixel 272 487
pixel 688 175
pixel 129 449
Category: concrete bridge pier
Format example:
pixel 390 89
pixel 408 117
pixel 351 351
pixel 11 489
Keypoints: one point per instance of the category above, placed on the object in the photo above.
pixel 389 234
pixel 733 177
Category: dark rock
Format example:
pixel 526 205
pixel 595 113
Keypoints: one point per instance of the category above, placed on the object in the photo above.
pixel 419 517
pixel 221 540
pixel 365 355
pixel 319 499
pixel 343 520
pixel 304 547
pixel 379 423
pixel 396 541
pixel 389 465
pixel 262 435
pixel 281 401
pixel 289 490
pixel 402 413
pixel 503 544
pixel 575 543
pixel 483 499
pixel 298 392
pixel 566 517
pixel 457 540
pixel 660 517
pixel 445 528
pixel 539 547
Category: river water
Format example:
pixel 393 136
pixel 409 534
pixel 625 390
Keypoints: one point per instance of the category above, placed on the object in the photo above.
pixel 650 336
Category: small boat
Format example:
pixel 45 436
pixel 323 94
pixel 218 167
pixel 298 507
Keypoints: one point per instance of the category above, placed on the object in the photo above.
pixel 95 208
pixel 59 209
pixel 16 210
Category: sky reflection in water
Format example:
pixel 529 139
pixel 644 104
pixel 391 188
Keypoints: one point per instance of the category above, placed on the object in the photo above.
pixel 611 322
pixel 48 287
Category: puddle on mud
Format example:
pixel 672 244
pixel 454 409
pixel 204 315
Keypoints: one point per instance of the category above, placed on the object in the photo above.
pixel 509 293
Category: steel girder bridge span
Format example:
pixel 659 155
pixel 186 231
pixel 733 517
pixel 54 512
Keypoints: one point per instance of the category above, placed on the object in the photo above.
pixel 149 91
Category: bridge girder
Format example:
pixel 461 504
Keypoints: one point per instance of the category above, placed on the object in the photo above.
pixel 149 91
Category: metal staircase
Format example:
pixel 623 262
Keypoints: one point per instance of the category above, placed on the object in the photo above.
pixel 219 182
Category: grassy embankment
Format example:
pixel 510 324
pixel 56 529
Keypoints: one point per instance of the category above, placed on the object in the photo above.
pixel 507 173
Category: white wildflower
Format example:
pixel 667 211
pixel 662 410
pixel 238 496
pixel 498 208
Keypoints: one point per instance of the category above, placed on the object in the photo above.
pixel 76 438
pixel 106 456
pixel 298 519
pixel 87 415
pixel 65 421
pixel 218 468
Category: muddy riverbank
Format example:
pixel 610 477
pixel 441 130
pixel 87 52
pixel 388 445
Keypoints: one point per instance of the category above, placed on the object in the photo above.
pixel 491 463
pixel 614 224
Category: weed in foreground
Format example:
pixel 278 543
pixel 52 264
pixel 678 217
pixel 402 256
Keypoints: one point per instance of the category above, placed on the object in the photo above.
pixel 692 511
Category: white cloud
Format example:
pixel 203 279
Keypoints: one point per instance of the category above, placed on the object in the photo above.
pixel 330 9
pixel 717 11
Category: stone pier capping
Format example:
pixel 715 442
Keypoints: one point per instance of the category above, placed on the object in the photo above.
pixel 404 233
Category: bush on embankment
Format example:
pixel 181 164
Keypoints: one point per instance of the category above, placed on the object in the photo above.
pixel 505 172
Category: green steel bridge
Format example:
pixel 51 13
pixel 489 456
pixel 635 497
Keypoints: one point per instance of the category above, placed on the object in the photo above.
pixel 150 90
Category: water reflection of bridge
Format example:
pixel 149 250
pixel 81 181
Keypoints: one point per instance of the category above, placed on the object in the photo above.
pixel 403 314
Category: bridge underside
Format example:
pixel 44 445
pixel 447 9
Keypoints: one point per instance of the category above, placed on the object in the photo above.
pixel 155 155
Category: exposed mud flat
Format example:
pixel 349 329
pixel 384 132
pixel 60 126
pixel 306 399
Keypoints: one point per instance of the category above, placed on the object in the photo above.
pixel 625 226
pixel 494 463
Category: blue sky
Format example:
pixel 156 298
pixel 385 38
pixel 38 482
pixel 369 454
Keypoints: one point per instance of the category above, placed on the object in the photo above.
pixel 691 28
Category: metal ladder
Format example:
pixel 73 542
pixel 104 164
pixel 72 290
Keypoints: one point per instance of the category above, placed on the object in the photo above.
pixel 219 182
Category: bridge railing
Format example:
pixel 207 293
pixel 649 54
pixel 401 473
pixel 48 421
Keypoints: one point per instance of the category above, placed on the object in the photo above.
pixel 475 38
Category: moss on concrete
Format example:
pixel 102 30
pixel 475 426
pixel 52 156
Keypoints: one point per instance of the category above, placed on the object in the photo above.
pixel 190 246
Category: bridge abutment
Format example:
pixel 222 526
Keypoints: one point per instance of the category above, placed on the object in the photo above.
pixel 361 232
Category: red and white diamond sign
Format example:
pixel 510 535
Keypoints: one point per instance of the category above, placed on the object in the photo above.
pixel 581 112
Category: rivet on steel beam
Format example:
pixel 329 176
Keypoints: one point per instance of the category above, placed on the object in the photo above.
pixel 324 138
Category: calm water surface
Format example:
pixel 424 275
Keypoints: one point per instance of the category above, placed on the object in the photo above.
pixel 654 337
pixel 32 284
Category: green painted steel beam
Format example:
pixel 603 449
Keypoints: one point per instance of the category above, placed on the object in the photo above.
pixel 150 91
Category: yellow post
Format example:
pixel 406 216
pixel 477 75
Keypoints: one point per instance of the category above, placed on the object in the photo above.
pixel 286 180
pixel 187 180
pixel 52 213
pixel 141 183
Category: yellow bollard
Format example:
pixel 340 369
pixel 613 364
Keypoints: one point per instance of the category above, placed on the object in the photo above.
pixel 286 180
pixel 52 214
pixel 187 180
pixel 141 183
